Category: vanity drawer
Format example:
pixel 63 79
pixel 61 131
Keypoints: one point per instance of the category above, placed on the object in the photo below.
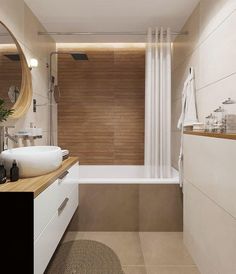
pixel 72 174
pixel 47 203
pixel 47 242
pixel 68 182
pixel 45 206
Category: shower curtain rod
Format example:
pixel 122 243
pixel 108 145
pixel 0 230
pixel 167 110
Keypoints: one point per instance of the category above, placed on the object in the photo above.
pixel 104 33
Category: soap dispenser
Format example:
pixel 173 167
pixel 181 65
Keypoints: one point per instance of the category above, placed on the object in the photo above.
pixel 3 174
pixel 14 172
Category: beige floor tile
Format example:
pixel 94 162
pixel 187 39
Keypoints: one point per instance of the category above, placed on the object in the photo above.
pixel 126 245
pixel 172 270
pixel 164 248
pixel 134 270
pixel 72 236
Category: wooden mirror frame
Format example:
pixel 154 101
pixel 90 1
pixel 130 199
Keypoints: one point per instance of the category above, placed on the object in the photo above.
pixel 25 97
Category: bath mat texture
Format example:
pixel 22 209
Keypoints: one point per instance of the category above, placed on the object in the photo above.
pixel 84 257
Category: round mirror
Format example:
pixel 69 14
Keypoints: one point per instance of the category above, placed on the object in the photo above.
pixel 15 77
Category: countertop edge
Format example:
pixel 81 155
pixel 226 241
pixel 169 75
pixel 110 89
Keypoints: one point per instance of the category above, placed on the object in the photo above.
pixel 62 169
pixel 38 184
pixel 229 136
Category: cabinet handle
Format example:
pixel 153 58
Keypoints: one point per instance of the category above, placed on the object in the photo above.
pixel 63 205
pixel 63 175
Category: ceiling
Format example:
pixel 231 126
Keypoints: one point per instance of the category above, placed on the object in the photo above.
pixel 110 16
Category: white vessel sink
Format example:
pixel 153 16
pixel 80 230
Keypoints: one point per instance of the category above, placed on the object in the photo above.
pixel 33 160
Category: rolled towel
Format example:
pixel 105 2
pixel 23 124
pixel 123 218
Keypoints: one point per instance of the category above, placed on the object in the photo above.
pixel 65 153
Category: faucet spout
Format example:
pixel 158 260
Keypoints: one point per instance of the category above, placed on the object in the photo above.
pixel 5 136
pixel 9 136
pixel 12 138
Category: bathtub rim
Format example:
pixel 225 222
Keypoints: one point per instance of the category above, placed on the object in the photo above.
pixel 124 180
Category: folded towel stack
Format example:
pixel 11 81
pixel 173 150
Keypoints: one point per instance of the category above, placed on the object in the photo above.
pixel 65 153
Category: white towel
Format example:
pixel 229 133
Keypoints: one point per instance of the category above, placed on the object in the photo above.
pixel 188 115
pixel 64 152
pixel 189 110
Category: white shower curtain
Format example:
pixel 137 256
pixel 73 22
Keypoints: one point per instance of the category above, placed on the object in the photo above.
pixel 158 104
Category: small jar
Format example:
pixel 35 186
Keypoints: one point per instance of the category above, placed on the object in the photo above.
pixel 209 123
pixel 220 119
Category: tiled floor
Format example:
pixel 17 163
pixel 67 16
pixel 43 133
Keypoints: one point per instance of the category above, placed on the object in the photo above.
pixel 145 252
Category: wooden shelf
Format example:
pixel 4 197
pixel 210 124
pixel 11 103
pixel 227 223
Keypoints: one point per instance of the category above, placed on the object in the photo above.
pixel 40 183
pixel 231 136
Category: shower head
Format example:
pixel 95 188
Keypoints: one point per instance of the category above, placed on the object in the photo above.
pixel 78 56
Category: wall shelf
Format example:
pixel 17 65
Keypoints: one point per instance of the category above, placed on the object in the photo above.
pixel 231 136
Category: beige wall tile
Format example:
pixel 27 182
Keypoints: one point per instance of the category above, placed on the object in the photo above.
pixel 12 15
pixel 25 26
pixel 185 45
pixel 38 118
pixel 39 45
pixel 175 114
pixel 212 14
pixel 209 233
pixel 209 164
pixel 211 97
pixel 178 78
pixel 210 55
pixel 175 147
pixel 219 48
pixel 179 75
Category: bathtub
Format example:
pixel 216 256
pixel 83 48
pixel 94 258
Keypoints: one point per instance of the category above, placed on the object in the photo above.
pixel 120 198
pixel 117 174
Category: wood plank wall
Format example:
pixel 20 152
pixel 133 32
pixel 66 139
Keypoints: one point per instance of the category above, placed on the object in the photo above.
pixel 101 108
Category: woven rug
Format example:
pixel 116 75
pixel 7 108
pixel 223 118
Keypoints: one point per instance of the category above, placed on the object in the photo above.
pixel 84 257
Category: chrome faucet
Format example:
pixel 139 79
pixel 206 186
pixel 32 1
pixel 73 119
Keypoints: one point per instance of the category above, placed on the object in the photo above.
pixel 9 136
pixel 5 136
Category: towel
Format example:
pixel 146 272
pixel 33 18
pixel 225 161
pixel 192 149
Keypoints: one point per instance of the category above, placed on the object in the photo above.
pixel 189 110
pixel 188 115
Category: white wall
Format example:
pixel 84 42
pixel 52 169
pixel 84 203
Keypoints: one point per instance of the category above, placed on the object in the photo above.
pixel 209 189
pixel 210 49
pixel 209 203
pixel 24 25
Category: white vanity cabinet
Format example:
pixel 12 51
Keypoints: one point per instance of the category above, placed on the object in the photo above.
pixel 53 210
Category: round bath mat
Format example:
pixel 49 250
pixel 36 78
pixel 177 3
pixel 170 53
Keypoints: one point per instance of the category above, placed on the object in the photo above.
pixel 84 257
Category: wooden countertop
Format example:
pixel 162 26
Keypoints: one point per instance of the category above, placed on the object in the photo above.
pixel 39 183
pixel 231 136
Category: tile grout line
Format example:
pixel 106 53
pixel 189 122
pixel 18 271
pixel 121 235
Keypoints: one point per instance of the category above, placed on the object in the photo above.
pixel 141 248
pixel 201 89
pixel 211 199
pixel 185 58
pixel 215 82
